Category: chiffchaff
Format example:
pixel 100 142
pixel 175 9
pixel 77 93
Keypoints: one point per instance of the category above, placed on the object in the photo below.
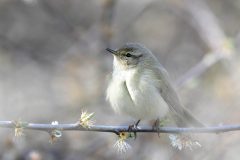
pixel 140 87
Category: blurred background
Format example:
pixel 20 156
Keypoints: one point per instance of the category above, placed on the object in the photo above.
pixel 53 65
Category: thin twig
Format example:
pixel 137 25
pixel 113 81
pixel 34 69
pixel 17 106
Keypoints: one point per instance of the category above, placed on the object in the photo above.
pixel 203 20
pixel 118 129
pixel 206 62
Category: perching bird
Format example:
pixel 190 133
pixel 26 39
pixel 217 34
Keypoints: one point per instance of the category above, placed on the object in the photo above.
pixel 140 87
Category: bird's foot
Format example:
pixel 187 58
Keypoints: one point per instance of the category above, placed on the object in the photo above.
pixel 133 128
pixel 156 126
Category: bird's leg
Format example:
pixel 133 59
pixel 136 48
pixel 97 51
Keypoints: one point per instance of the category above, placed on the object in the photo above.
pixel 156 126
pixel 133 127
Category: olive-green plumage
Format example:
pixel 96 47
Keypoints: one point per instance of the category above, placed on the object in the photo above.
pixel 140 87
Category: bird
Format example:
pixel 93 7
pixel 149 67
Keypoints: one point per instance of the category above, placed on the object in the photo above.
pixel 140 87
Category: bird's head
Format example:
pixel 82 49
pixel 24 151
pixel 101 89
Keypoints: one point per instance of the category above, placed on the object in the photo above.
pixel 130 55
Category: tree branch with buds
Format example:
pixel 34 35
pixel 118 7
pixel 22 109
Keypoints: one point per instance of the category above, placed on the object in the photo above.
pixel 115 129
pixel 85 123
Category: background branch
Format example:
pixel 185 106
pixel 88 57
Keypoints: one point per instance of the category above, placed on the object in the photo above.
pixel 198 15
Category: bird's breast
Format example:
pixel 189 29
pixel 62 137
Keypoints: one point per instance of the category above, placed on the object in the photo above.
pixel 137 94
pixel 117 93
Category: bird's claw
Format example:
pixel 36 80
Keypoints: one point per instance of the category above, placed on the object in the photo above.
pixel 133 128
pixel 156 126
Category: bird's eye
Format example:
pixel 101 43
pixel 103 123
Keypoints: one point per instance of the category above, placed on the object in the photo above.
pixel 128 55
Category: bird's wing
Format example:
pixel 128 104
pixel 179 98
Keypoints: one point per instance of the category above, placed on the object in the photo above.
pixel 180 114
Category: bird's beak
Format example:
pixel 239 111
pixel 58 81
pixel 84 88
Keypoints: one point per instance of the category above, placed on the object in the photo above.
pixel 111 51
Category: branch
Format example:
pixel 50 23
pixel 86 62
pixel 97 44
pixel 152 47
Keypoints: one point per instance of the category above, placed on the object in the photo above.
pixel 200 16
pixel 207 61
pixel 116 129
